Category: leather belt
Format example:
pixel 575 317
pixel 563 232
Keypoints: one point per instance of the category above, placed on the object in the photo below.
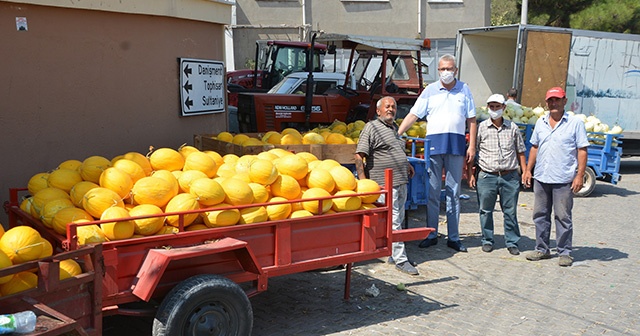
pixel 500 172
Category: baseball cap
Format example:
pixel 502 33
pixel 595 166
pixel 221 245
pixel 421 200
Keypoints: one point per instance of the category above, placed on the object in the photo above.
pixel 496 98
pixel 555 92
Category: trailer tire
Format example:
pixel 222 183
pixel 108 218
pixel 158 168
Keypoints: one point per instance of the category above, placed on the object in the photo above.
pixel 589 183
pixel 204 304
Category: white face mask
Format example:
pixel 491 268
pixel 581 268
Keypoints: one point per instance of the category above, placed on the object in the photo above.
pixel 495 114
pixel 446 77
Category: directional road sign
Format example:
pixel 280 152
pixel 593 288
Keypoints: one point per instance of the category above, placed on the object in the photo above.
pixel 201 86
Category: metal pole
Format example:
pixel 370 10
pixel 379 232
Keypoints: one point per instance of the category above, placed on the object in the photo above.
pixel 523 13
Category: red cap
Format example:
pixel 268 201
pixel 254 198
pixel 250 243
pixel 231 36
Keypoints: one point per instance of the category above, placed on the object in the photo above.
pixel 555 92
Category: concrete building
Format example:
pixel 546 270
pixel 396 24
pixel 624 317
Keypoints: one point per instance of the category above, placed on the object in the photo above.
pixel 295 20
pixel 92 77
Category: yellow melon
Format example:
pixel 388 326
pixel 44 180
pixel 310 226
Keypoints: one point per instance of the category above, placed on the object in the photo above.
pixel 307 156
pixel 47 249
pixel 68 215
pixel 63 179
pixel 285 186
pixel 196 227
pixel 217 158
pixel 79 189
pixel 152 190
pixel 90 234
pixel 242 176
pixel 1 230
pixel 169 177
pixel 260 192
pixel 179 203
pixel 43 196
pixel 291 139
pixel 267 156
pixel 207 191
pixel 367 185
pixel 167 229
pixel 202 162
pixel 293 165
pixel 25 205
pixel 132 168
pixel 5 262
pixel 225 216
pixel 314 206
pixel 37 182
pixel 237 192
pixel 69 268
pixel 295 206
pixel 262 172
pixel 327 164
pixel 238 139
pixel 313 139
pixel 292 131
pixel 366 206
pixel 118 229
pixel 21 244
pixel 257 214
pixel 150 225
pixel 314 164
pixel 300 214
pixel 336 139
pixel 166 159
pixel 116 180
pixel 141 160
pixel 252 142
pixel 278 211
pixel 185 150
pixel 51 208
pixel 344 178
pixel 97 200
pixel 228 158
pixel 20 282
pixel 320 178
pixel 279 152
pixel 243 164
pixel 303 182
pixel 272 137
pixel 350 202
pixel 188 176
pixel 227 169
pixel 225 136
pixel 70 164
pixel 92 167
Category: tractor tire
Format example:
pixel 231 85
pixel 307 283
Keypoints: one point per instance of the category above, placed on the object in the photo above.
pixel 204 304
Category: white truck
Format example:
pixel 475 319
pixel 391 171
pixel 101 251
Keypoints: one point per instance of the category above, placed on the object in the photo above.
pixel 600 71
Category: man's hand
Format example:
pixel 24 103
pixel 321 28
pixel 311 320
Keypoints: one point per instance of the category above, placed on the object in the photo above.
pixel 471 154
pixel 577 183
pixel 411 171
pixel 526 179
pixel 472 181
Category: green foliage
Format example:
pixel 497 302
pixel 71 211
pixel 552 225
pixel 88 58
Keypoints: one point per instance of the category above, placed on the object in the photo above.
pixel 621 16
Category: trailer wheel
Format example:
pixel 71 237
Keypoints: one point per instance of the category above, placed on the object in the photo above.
pixel 589 183
pixel 204 305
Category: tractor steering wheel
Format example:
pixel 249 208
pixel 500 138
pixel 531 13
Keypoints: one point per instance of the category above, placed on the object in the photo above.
pixel 347 90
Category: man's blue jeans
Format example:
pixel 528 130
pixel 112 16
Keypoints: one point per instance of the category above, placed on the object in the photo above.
pixel 453 165
pixel 488 188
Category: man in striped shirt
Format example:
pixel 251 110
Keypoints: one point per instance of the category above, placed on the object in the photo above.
pixel 500 153
pixel 449 109
pixel 383 149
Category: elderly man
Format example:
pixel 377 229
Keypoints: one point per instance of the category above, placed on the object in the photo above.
pixel 449 109
pixel 559 155
pixel 380 144
pixel 500 151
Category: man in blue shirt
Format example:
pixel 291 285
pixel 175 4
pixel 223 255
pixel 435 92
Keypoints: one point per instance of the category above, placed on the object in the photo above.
pixel 449 109
pixel 559 154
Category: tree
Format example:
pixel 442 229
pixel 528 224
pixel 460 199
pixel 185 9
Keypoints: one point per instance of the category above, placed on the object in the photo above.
pixel 556 13
pixel 622 16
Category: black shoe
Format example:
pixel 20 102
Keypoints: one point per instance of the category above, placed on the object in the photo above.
pixel 456 245
pixel 428 242
pixel 391 261
pixel 487 248
pixel 513 250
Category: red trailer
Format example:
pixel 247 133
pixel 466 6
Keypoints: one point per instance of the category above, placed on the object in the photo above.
pixel 202 279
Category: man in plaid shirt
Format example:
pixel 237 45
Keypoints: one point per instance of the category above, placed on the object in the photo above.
pixel 500 152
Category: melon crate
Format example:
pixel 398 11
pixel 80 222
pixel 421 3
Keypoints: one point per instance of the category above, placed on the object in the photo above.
pixel 344 154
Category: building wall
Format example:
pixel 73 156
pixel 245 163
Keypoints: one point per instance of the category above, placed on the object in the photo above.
pixel 83 82
pixel 269 19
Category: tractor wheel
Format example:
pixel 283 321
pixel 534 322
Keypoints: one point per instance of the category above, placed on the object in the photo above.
pixel 589 183
pixel 204 305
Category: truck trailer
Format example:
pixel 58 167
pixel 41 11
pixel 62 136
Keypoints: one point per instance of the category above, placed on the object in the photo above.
pixel 600 71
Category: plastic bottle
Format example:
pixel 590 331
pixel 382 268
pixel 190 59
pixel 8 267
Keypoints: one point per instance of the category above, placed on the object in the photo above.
pixel 20 323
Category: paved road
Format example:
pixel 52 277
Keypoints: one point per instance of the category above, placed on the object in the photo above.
pixel 479 293
pixel 475 293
